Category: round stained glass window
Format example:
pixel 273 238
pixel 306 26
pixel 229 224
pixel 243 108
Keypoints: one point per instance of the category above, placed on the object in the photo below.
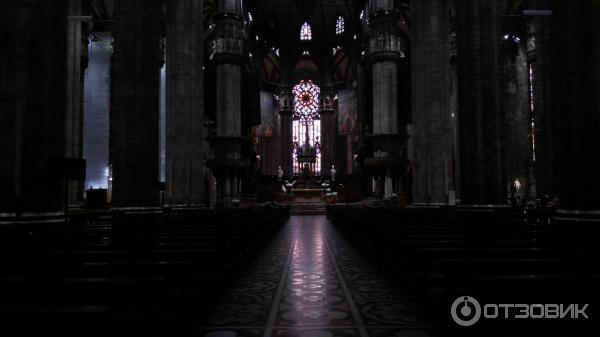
pixel 306 100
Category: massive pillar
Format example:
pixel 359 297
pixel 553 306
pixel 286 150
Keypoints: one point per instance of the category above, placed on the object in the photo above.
pixel 135 103
pixel 74 99
pixel 286 112
pixel 385 97
pixel 229 148
pixel 386 143
pixel 480 115
pixel 328 132
pixel 546 132
pixel 517 114
pixel 270 138
pixel 576 104
pixel 432 120
pixel 185 126
pixel 454 116
pixel 32 103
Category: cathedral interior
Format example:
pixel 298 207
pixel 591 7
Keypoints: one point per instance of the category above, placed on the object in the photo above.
pixel 311 168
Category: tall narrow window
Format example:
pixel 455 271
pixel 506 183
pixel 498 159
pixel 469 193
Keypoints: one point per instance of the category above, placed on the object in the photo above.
pixel 306 125
pixel 339 25
pixel 305 32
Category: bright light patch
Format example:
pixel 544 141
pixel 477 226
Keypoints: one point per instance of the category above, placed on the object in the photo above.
pixel 340 25
pixel 305 32
pixel 306 121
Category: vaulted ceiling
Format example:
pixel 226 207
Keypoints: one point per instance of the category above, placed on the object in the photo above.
pixel 289 15
pixel 276 25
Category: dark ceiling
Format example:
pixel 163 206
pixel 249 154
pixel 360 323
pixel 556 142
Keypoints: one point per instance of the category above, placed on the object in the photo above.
pixel 277 24
pixel 290 14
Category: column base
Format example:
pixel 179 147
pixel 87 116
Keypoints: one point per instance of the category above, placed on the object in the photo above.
pixel 230 161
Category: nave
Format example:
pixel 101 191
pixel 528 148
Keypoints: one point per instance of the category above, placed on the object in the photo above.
pixel 312 282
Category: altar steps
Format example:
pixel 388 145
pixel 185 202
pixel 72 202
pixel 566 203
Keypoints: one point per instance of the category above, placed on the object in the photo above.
pixel 304 208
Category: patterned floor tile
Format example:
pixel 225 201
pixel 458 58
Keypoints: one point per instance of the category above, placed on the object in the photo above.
pixel 322 332
pixel 389 313
pixel 401 332
pixel 311 282
pixel 231 333
pixel 239 314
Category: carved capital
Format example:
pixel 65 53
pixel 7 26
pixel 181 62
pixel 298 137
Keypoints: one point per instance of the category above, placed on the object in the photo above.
pixel 386 44
pixel 229 42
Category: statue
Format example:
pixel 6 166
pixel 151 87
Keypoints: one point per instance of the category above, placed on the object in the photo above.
pixel 285 102
pixel 326 102
pixel 279 173
pixel 517 184
pixel 332 172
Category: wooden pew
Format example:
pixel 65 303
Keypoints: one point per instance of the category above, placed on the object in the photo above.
pixel 447 251
pixel 126 265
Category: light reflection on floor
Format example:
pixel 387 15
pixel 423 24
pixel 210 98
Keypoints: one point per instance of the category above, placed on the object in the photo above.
pixel 311 282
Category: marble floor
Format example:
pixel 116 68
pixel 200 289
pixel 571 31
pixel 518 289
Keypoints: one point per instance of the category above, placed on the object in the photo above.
pixel 311 282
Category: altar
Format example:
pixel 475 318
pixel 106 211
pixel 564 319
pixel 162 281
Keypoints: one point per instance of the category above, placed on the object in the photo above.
pixel 306 156
pixel 307 193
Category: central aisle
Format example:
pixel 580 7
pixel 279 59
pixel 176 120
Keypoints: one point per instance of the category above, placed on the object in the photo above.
pixel 311 282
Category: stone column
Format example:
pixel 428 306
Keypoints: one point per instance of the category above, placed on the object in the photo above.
pixel 32 103
pixel 328 133
pixel 576 105
pixel 185 112
pixel 386 143
pixel 516 103
pixel 135 103
pixel 270 145
pixel 432 120
pixel 286 111
pixel 74 99
pixel 229 103
pixel 454 122
pixel 385 96
pixel 229 149
pixel 480 116
pixel 547 131
pixel 230 7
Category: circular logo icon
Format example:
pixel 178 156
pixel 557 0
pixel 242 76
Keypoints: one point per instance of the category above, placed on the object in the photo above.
pixel 465 311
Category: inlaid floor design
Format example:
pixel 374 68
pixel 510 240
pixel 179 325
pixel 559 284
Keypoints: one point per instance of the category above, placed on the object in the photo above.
pixel 311 282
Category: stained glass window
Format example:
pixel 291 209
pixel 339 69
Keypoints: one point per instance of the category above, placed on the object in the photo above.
pixel 305 32
pixel 306 100
pixel 339 25
pixel 306 123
